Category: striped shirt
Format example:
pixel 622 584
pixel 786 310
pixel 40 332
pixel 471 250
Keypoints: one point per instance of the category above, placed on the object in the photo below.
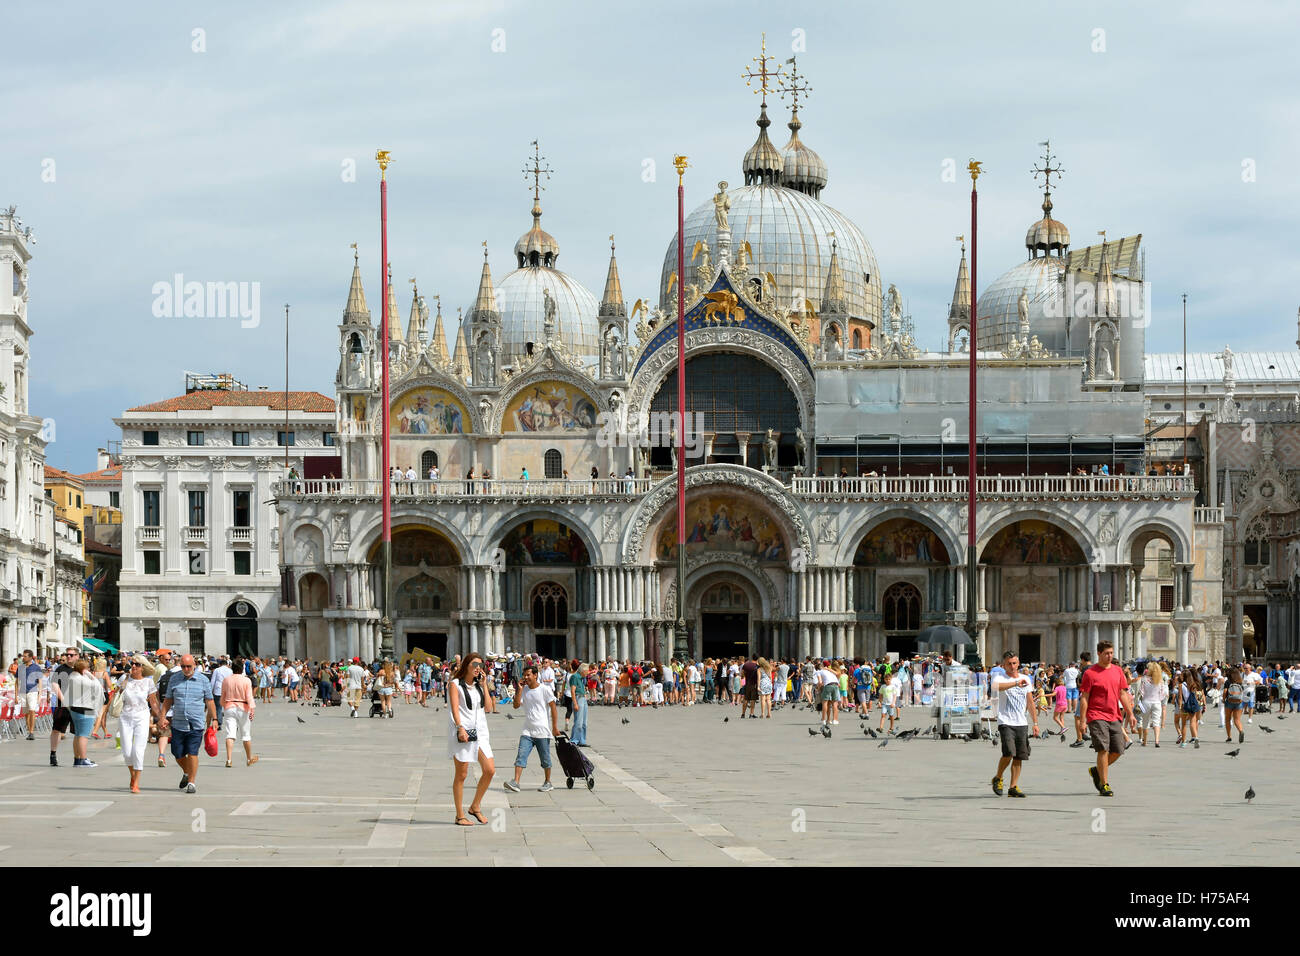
pixel 189 696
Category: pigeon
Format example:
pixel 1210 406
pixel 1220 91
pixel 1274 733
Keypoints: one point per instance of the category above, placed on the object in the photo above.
pixel 826 732
pixel 626 721
pixel 1233 753
pixel 726 720
pixel 301 721
pixel 1250 794
pixel 883 743
pixel 1268 730
pixel 873 734
pixel 1280 717
pixel 1061 735
pixel 811 732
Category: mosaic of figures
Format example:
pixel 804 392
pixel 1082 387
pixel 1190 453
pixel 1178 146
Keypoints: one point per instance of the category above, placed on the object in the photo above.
pixel 550 407
pixel 428 411
pixel 413 546
pixel 543 542
pixel 1032 542
pixel 725 523
pixel 901 541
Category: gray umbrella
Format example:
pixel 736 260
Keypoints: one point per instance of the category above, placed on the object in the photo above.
pixel 942 635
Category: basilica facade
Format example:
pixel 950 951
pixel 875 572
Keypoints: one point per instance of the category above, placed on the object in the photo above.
pixel 826 455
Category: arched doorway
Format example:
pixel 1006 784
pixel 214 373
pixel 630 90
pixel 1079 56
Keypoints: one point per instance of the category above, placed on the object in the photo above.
pixel 724 620
pixel 241 630
pixel 550 609
pixel 1151 589
pixel 901 616
pixel 425 569
pixel 1036 582
pixel 906 563
pixel 313 600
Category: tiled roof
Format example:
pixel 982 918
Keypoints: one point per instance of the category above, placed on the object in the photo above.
pixel 1207 367
pixel 208 399
pixel 113 473
pixel 58 474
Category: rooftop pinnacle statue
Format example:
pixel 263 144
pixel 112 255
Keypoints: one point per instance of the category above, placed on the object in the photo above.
pixel 721 206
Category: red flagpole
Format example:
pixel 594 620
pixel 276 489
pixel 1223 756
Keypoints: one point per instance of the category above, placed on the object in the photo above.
pixel 386 624
pixel 972 559
pixel 680 631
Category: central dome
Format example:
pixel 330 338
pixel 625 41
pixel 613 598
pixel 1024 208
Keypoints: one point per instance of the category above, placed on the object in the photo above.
pixel 790 234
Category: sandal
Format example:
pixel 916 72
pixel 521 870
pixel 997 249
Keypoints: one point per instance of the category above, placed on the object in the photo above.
pixel 253 759
pixel 478 815
pixel 463 822
pixel 228 763
pixel 162 761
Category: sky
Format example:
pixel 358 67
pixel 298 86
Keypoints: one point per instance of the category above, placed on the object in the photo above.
pixel 146 140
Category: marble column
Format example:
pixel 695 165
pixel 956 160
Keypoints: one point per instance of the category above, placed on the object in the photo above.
pixel 1184 640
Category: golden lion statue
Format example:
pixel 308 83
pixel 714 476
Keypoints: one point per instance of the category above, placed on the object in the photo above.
pixel 723 303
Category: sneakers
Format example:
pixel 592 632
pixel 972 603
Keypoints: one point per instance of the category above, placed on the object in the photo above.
pixel 1241 736
pixel 1106 791
pixel 1249 720
pixel 1096 781
pixel 84 763
pixel 54 759
pixel 512 786
pixel 31 736
pixel 1078 743
pixel 190 788
pixel 185 779
pixel 1196 743
pixel 1015 792
pixel 354 712
pixel 547 787
pixel 997 786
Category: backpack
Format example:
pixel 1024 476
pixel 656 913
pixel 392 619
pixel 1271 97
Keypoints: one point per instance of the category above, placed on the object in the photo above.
pixel 1234 694
pixel 1193 703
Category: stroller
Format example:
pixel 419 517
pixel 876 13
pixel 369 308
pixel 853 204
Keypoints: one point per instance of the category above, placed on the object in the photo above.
pixel 376 706
pixel 574 763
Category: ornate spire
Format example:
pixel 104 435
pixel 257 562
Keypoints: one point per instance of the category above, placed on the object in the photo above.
pixel 439 336
pixel 413 323
pixel 1105 281
pixel 537 247
pixel 1047 235
pixel 834 301
pixel 803 170
pixel 485 306
pixel 763 162
pixel 460 363
pixel 356 313
pixel 394 323
pixel 959 308
pixel 611 303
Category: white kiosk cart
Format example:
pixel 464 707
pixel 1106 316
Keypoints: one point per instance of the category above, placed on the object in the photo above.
pixel 958 703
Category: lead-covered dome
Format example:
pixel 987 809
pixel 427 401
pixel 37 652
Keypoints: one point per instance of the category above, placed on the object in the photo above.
pixel 790 235
pixel 999 305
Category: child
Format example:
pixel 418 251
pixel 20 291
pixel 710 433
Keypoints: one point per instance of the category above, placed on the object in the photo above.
pixel 1058 709
pixel 888 703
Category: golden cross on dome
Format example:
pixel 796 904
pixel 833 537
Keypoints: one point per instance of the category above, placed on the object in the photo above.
pixel 763 73
pixel 1047 171
pixel 794 85
pixel 537 171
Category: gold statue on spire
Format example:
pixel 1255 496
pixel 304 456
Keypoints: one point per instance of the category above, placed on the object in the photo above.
pixel 975 168
pixel 383 157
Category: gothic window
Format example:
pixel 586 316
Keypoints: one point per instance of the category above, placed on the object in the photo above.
pixel 354 343
pixel 423 593
pixel 902 608
pixel 553 464
pixel 857 338
pixel 428 460
pixel 550 607
pixel 1256 545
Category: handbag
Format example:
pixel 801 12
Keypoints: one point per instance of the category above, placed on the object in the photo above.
pixel 210 741
pixel 115 708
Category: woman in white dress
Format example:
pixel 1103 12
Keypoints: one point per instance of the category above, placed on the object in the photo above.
pixel 468 706
pixel 139 696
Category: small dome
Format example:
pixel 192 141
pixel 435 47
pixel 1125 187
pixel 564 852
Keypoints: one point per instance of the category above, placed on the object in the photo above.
pixel 999 305
pixel 805 171
pixel 763 162
pixel 1047 235
pixel 537 247
pixel 521 302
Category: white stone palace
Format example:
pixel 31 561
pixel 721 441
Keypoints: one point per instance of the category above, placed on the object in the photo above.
pixel 826 493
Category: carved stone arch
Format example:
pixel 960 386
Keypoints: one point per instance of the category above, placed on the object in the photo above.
pixel 496 533
pixel 700 567
pixel 313 522
pixel 252 603
pixel 1010 514
pixel 735 476
pixel 663 363
pixel 434 378
pixel 850 541
pixel 536 375
pixel 1154 527
pixel 370 531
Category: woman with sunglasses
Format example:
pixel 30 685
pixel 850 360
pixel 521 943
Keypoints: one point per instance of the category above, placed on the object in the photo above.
pixel 468 706
pixel 139 700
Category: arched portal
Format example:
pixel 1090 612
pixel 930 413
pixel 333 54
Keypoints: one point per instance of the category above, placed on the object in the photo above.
pixel 313 601
pixel 1037 580
pixel 425 588
pixel 550 613
pixel 241 629
pixel 722 616
pixel 901 614
pixel 547 583
pixel 735 396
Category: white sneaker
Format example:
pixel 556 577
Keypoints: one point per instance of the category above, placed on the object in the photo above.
pixel 190 788
pixel 1250 720
pixel 512 786
pixel 546 787
pixel 835 722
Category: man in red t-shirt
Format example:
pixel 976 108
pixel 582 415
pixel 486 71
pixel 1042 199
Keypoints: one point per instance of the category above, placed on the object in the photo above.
pixel 1103 691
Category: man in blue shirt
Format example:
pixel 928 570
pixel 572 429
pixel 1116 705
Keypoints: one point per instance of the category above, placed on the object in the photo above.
pixel 29 676
pixel 426 681
pixel 189 698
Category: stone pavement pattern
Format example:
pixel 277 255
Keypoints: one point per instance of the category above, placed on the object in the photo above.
pixel 673 787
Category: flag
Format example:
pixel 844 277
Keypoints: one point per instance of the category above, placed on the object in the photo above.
pixel 95 580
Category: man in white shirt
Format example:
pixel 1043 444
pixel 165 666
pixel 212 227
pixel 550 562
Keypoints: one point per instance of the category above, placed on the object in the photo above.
pixel 828 686
pixel 547 675
pixel 538 701
pixel 433 472
pixel 1015 707
pixel 410 478
pixel 219 674
pixel 1293 678
pixel 290 683
pixel 782 676
pixel 356 684
pixel 1250 680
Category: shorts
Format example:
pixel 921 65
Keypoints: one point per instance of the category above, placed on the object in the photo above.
pixel 1015 741
pixel 751 692
pixel 830 693
pixel 526 745
pixel 236 724
pixel 83 722
pixel 1071 693
pixel 1231 707
pixel 1107 736
pixel 426 686
pixel 32 701
pixel 62 719
pixel 863 695
pixel 386 691
pixel 1151 715
pixel 186 743
pixel 889 710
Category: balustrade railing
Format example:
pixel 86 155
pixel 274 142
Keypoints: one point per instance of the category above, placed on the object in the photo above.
pixel 460 487
pixel 1209 516
pixel 1000 486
